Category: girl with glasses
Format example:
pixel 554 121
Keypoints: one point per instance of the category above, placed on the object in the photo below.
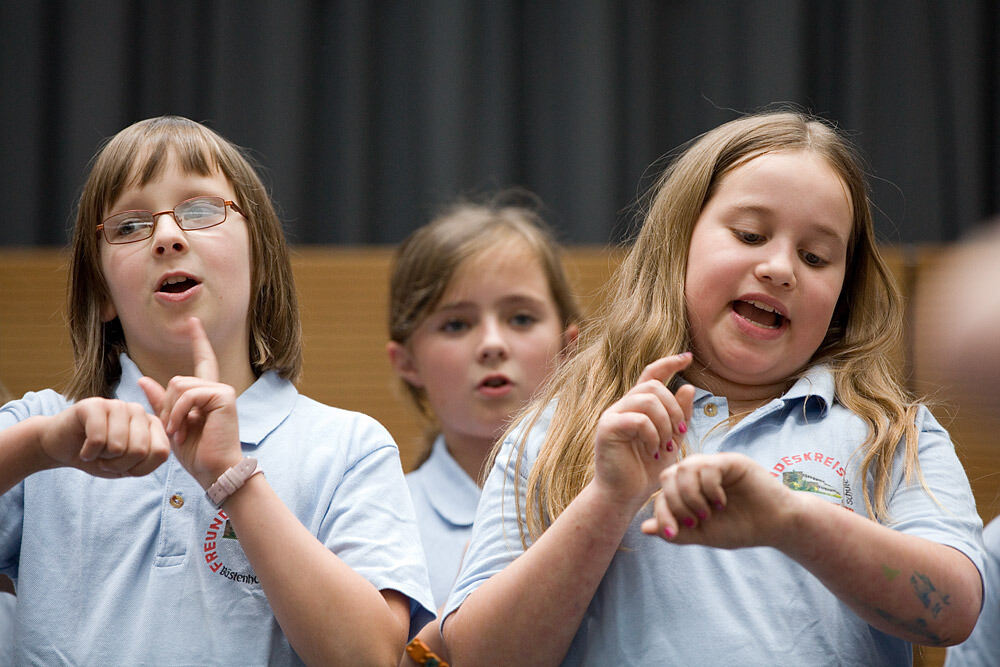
pixel 134 518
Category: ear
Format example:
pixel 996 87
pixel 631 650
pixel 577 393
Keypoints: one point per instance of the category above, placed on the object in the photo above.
pixel 403 363
pixel 108 311
pixel 569 339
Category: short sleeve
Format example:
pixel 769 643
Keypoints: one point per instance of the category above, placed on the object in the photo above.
pixel 371 527
pixel 982 648
pixel 948 514
pixel 496 536
pixel 12 502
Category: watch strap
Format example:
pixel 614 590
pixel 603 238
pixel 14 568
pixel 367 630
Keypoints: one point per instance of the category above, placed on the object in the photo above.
pixel 231 480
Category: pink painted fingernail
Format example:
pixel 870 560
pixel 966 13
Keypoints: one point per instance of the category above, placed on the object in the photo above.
pixel 682 427
pixel 669 533
pixel 702 514
pixel 719 506
pixel 688 521
pixel 670 446
pixel 656 455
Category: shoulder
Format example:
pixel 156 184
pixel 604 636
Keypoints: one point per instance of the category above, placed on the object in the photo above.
pixel 351 423
pixel 44 402
pixel 926 422
pixel 934 442
pixel 316 427
pixel 523 443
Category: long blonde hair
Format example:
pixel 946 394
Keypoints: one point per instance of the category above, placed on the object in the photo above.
pixel 644 318
pixel 136 156
pixel 426 261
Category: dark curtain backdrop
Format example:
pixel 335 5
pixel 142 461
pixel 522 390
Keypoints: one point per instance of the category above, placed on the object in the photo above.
pixel 367 116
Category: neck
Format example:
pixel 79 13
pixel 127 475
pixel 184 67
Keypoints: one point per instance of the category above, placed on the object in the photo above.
pixel 470 452
pixel 742 398
pixel 237 372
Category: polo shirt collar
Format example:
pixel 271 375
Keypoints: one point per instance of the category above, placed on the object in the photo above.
pixel 453 494
pixel 816 388
pixel 260 409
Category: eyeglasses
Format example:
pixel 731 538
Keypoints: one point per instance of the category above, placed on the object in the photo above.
pixel 194 213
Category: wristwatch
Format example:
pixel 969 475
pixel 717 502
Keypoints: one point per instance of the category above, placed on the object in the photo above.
pixel 231 480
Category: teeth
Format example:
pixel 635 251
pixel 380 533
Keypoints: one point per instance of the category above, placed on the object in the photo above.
pixel 174 280
pixel 763 306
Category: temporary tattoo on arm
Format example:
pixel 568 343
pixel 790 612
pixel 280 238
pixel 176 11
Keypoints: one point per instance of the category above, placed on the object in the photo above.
pixel 929 596
pixel 917 628
pixel 932 600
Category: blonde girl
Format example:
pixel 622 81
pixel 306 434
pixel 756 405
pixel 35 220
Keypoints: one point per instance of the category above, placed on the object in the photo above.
pixel 818 515
pixel 133 518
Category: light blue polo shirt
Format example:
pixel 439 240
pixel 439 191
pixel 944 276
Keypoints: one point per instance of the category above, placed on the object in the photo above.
pixel 982 648
pixel 8 606
pixel 445 499
pixel 693 605
pixel 146 571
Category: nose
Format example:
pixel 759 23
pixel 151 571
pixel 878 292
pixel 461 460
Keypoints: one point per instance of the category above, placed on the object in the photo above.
pixel 493 345
pixel 778 268
pixel 168 237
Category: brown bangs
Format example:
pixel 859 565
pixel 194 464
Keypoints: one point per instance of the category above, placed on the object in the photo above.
pixel 195 154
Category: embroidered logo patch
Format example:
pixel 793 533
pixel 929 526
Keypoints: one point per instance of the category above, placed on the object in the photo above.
pixel 223 553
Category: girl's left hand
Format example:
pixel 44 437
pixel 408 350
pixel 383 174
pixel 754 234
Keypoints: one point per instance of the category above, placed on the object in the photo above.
pixel 722 500
pixel 199 414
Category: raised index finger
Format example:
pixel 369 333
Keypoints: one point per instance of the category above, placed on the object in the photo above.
pixel 206 366
pixel 665 367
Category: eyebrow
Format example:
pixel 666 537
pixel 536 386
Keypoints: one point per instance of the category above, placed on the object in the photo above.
pixel 511 299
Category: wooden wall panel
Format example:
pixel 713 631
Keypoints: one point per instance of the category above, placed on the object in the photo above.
pixel 343 296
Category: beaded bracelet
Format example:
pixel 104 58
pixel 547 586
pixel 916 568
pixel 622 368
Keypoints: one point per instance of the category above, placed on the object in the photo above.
pixel 418 651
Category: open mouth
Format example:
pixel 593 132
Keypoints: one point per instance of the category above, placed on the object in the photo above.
pixel 759 313
pixel 177 284
pixel 495 382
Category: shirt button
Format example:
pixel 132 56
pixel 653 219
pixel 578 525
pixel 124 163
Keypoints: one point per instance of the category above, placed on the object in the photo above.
pixel 177 500
pixel 710 410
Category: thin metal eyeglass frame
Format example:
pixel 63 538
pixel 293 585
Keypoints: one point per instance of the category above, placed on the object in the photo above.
pixel 172 213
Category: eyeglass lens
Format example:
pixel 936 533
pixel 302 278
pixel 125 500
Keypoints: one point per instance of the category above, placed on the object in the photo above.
pixel 197 213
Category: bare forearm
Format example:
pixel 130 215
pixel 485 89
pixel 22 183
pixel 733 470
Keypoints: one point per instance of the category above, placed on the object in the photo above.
pixel 329 613
pixel 430 635
pixel 539 600
pixel 921 591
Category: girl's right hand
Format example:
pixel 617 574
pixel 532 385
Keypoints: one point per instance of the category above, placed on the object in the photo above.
pixel 105 438
pixel 639 435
